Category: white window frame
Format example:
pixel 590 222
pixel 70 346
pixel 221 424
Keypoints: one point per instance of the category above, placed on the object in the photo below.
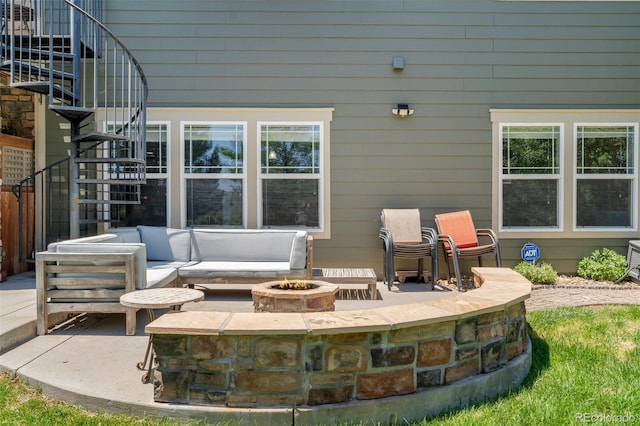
pixel 167 175
pixel 251 116
pixel 184 176
pixel 157 176
pixel 559 178
pixel 570 118
pixel 312 176
pixel 633 177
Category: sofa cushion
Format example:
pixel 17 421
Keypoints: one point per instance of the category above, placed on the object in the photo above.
pixel 239 269
pixel 299 251
pixel 138 249
pixel 161 277
pixel 166 244
pixel 242 245
pixel 162 264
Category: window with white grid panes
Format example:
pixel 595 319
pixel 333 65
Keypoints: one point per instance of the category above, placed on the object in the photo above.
pixel 152 209
pixel 214 173
pixel 290 175
pixel 530 176
pixel 606 176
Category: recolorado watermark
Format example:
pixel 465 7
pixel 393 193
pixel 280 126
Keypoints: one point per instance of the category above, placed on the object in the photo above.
pixel 605 418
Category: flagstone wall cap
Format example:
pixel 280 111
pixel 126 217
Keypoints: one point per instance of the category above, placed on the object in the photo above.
pixel 500 288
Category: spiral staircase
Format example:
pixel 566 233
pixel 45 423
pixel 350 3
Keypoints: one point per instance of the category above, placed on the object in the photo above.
pixel 60 49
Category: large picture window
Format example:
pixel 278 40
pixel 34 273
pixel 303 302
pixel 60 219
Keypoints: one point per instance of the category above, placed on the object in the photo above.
pixel 214 173
pixel 290 157
pixel 605 176
pixel 530 176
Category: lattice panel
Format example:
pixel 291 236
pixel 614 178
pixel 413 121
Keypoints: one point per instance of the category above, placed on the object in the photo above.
pixel 17 163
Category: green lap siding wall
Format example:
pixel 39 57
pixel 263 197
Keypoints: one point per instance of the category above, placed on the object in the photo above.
pixel 461 59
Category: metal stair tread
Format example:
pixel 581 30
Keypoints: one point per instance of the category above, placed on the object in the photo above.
pixel 99 136
pixel 132 161
pixel 110 202
pixel 130 182
pixel 70 112
pixel 32 70
pixel 38 46
pixel 43 88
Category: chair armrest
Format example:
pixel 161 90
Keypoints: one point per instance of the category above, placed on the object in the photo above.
pixel 446 240
pixel 429 235
pixel 387 239
pixel 487 232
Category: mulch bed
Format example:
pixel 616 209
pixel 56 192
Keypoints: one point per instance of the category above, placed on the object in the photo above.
pixel 562 281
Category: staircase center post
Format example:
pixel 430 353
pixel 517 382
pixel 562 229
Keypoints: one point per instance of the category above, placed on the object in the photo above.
pixel 74 173
pixel 74 186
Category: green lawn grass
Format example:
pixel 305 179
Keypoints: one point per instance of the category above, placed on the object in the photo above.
pixel 586 369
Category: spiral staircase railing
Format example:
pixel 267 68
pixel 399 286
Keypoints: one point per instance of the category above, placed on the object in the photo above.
pixel 59 48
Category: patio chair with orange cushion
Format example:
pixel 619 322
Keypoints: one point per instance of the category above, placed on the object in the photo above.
pixel 460 239
pixel 403 236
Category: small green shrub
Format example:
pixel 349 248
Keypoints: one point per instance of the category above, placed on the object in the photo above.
pixel 542 273
pixel 602 265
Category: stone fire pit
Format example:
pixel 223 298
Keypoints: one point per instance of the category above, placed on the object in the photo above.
pixel 269 297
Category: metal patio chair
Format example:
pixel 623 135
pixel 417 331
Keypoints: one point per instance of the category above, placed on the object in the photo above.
pixel 403 236
pixel 460 239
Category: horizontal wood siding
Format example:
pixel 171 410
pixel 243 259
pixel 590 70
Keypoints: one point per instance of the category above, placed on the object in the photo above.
pixel 462 58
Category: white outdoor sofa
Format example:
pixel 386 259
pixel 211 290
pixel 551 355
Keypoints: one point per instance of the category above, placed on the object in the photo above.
pixel 90 274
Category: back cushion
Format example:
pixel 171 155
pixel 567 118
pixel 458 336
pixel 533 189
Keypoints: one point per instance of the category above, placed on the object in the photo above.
pixel 242 245
pixel 128 236
pixel 299 251
pixel 166 244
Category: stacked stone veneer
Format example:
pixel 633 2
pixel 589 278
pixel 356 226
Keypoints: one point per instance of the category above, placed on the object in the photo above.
pixel 17 110
pixel 261 369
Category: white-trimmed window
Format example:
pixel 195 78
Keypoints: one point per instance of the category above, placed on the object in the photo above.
pixel 152 209
pixel 565 173
pixel 606 176
pixel 290 175
pixel 530 176
pixel 238 168
pixel 214 173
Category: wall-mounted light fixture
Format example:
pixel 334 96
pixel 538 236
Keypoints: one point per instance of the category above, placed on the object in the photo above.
pixel 398 63
pixel 402 110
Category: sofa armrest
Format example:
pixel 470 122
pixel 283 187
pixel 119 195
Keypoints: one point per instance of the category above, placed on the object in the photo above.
pixel 79 270
pixel 87 286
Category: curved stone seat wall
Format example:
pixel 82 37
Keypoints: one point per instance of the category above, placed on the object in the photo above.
pixel 315 361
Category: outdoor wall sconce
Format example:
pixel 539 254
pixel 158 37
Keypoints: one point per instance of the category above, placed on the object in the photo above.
pixel 398 63
pixel 402 110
